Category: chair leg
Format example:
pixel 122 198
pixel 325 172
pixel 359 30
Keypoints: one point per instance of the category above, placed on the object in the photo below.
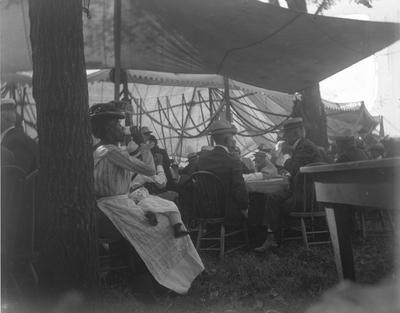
pixel 34 274
pixel 362 224
pixel 199 234
pixel 246 234
pixel 304 233
pixel 382 220
pixel 222 242
pixel 391 220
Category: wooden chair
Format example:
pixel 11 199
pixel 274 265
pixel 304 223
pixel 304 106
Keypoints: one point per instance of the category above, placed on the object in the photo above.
pixel 110 256
pixel 311 231
pixel 209 199
pixel 18 227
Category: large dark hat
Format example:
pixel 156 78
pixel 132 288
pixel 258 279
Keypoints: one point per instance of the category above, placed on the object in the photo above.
pixel 292 123
pixel 105 109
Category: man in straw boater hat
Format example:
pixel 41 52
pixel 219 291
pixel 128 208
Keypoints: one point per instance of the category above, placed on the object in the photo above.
pixel 298 151
pixel 228 169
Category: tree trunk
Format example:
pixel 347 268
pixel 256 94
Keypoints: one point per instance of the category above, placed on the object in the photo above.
pixel 66 201
pixel 312 109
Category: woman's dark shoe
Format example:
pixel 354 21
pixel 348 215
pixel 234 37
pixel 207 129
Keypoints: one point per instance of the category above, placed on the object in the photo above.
pixel 180 231
pixel 151 218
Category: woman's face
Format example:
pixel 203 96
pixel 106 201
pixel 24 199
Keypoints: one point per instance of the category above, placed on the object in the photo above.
pixel 115 130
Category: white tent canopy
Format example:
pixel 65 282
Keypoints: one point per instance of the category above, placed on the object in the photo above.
pixel 163 101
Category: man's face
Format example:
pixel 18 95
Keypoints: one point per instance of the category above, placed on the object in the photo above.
pixel 146 137
pixel 290 136
pixel 259 161
pixel 230 142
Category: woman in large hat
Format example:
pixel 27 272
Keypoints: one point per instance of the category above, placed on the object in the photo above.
pixel 172 261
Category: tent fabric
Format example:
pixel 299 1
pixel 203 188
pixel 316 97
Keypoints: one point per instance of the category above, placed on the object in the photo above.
pixel 177 114
pixel 246 40
pixel 344 117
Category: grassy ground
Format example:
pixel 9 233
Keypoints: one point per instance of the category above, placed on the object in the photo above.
pixel 286 280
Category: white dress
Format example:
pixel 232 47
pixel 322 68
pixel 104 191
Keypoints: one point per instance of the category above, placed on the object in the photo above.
pixel 174 262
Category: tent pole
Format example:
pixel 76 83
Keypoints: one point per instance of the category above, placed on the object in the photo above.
pixel 117 48
pixel 381 127
pixel 210 99
pixel 227 99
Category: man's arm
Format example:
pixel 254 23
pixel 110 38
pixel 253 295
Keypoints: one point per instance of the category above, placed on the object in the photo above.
pixel 304 155
pixel 145 167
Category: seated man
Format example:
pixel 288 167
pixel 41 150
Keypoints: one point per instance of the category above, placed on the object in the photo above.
pixel 347 150
pixel 228 169
pixel 297 152
pixel 14 140
pixel 264 168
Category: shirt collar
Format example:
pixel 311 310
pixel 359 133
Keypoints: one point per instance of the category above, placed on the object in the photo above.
pixel 4 133
pixel 225 148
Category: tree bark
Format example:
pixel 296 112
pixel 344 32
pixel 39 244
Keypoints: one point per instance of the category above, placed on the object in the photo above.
pixel 311 109
pixel 66 196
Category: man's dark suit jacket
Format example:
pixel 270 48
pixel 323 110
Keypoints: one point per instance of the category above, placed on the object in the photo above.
pixel 24 148
pixel 166 164
pixel 352 154
pixel 229 170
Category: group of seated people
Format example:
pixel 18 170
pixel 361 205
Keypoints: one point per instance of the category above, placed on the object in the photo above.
pixel 140 199
pixel 152 223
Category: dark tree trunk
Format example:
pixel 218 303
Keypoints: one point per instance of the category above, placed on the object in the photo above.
pixel 311 109
pixel 66 197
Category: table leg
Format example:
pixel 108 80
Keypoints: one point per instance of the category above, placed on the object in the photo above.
pixel 339 225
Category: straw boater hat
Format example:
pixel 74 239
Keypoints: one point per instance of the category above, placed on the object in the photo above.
pixel 145 130
pixel 292 123
pixel 222 127
pixel 105 109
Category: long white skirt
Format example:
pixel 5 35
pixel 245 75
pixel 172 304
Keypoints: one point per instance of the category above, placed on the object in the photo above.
pixel 174 262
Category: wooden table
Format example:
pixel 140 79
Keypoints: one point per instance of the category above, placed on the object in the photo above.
pixel 363 184
pixel 271 185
